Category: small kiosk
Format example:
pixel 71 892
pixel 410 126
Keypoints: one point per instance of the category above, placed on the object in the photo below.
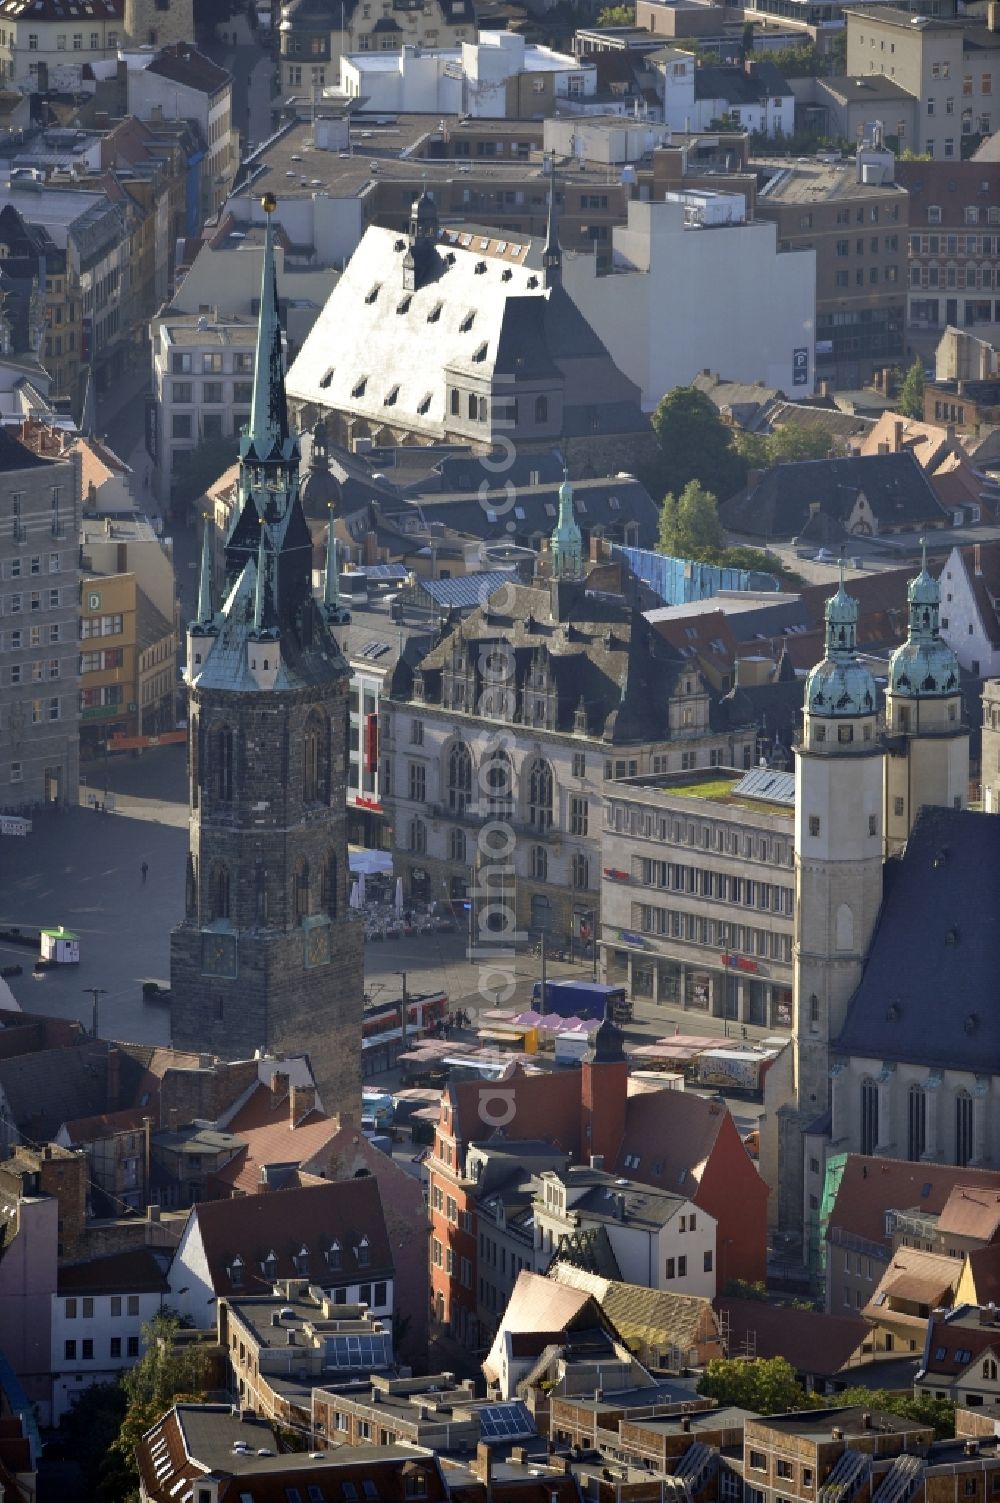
pixel 60 946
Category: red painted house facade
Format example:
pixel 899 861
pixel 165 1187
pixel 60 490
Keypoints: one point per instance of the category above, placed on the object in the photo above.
pixel 670 1139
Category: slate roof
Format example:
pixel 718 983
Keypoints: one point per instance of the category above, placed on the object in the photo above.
pixel 603 505
pixel 283 1220
pixel 814 1343
pixel 42 1090
pixel 717 81
pixel 600 652
pixel 778 505
pixel 183 64
pixel 928 994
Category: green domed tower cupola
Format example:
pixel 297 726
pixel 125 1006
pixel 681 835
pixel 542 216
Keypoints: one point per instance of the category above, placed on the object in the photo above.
pixel 927 738
pixel 567 540
pixel 841 687
pixel 924 665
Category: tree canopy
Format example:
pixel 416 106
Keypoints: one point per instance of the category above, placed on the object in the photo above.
pixel 770 1386
pixel 910 397
pixel 616 15
pixel 689 523
pixel 788 444
pixel 694 444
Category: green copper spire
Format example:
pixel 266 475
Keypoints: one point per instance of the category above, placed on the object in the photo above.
pixel 331 584
pixel 268 429
pixel 841 686
pixel 567 540
pixel 924 667
pixel 206 611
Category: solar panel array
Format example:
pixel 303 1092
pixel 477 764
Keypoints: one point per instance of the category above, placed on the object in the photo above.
pixel 505 1421
pixel 359 1351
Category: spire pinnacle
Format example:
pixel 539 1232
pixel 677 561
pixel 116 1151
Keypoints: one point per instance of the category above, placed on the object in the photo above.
pixel 268 413
pixel 331 584
pixel 258 594
pixel 206 611
pixel 552 252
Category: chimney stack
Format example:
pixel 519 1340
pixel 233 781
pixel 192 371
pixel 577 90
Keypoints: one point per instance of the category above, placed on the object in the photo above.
pixel 977 561
pixel 302 1100
pixel 279 1087
pixel 897 436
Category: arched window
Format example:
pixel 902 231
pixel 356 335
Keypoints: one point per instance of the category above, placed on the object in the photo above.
pixel 964 1118
pixel 540 794
pixel 459 777
pixel 220 891
pixel 224 764
pixel 330 885
pixel 916 1137
pixel 539 863
pixel 845 928
pixel 869 1115
pixel 418 837
pixel 314 760
pixel 541 409
pixel 456 846
pixel 581 871
pixel 300 896
pixel 497 780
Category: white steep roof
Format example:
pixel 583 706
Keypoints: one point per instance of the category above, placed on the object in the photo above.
pixel 359 335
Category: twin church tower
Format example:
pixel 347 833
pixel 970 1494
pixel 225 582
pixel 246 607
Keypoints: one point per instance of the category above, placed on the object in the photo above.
pixel 267 955
pixel 860 785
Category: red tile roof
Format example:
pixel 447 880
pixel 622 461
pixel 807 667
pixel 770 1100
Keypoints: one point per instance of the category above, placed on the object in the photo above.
pixel 284 1221
pixel 951 1346
pixel 136 1272
pixel 815 1344
pixel 971 1211
pixel 872 1186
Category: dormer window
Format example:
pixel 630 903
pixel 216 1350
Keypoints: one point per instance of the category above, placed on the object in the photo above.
pixel 372 296
pixel 333 1255
pixel 326 378
pixel 301 1261
pixel 403 306
pixel 467 322
pixel 269 1267
pixel 435 313
pixel 480 354
pixel 363 1253
pixel 358 389
pixel 389 400
pixel 424 404
pixel 235 1271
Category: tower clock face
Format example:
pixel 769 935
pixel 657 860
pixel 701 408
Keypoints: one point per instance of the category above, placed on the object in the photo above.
pixel 218 954
pixel 318 945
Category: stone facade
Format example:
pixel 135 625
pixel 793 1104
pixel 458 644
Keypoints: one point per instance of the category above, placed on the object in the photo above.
pixel 257 979
pixel 268 955
pixel 158 23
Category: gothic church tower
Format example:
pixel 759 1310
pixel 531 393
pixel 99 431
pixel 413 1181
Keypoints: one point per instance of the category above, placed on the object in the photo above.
pixel 927 742
pixel 267 955
pixel 838 875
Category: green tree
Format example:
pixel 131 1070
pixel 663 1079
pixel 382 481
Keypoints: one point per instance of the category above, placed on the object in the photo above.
pixel 925 1409
pixel 910 397
pixel 616 15
pixel 694 444
pixel 766 1384
pixel 795 62
pixel 165 1374
pixel 689 524
pixel 795 442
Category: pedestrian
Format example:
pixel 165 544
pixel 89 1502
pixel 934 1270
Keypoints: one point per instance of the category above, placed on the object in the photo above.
pixel 145 871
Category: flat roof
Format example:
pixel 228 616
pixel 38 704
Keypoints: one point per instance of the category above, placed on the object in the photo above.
pixel 812 181
pixel 764 789
pixel 818 1423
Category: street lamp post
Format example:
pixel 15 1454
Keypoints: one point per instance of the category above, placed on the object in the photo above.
pixel 96 992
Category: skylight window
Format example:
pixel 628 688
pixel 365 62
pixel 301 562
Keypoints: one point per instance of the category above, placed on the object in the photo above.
pixel 358 389
pixel 326 378
pixel 389 399
pixel 480 354
pixel 435 313
pixel 403 306
pixel 467 321
pixel 373 294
